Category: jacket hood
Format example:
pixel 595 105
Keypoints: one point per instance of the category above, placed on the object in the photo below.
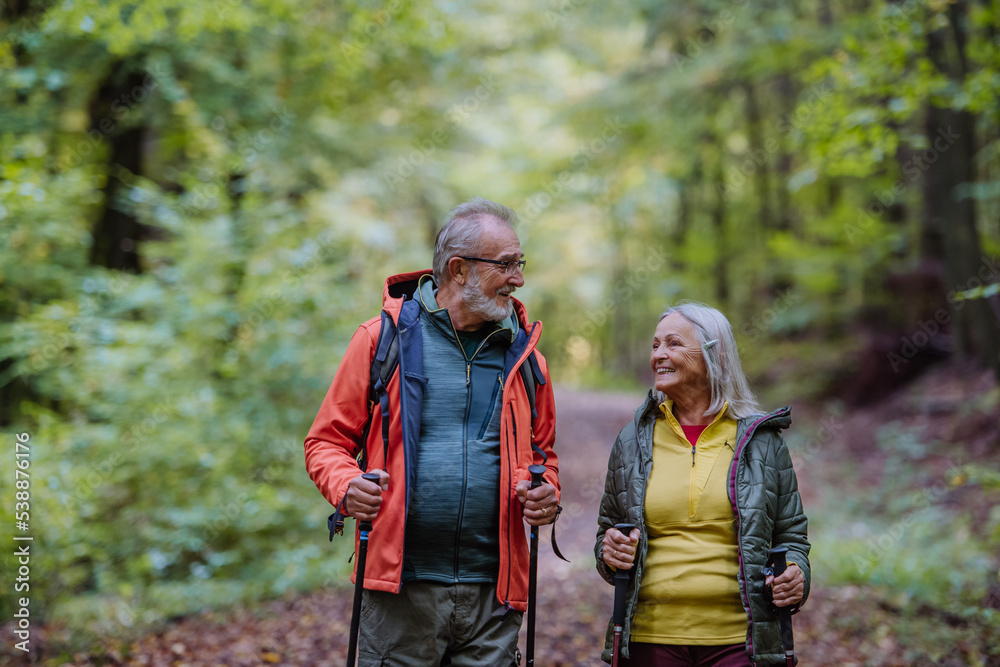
pixel 777 420
pixel 406 284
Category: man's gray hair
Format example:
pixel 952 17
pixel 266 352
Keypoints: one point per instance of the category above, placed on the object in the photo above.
pixel 460 234
pixel 725 372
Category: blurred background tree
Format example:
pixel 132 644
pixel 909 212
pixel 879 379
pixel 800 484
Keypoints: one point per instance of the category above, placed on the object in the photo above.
pixel 199 203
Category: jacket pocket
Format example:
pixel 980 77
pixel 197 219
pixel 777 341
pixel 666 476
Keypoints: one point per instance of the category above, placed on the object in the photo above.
pixel 493 415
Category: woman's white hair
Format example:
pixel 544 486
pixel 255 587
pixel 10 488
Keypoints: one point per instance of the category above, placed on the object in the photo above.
pixel 725 372
pixel 461 233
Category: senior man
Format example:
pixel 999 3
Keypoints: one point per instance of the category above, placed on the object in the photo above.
pixel 446 579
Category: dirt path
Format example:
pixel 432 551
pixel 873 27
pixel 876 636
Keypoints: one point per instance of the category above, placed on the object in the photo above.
pixel 573 607
pixel 574 602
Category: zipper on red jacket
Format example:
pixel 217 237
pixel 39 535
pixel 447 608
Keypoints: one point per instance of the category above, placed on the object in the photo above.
pixel 510 515
pixel 512 464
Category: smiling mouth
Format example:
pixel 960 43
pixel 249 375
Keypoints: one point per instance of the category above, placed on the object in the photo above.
pixel 665 371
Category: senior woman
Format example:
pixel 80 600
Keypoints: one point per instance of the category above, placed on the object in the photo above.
pixel 707 478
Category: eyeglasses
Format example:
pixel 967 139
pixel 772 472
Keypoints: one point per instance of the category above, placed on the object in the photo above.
pixel 508 267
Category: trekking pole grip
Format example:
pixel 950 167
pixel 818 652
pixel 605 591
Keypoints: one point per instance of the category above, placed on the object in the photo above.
pixel 776 559
pixel 778 564
pixel 366 526
pixel 536 475
pixel 621 580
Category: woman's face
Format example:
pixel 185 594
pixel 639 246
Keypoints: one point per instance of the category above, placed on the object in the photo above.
pixel 677 360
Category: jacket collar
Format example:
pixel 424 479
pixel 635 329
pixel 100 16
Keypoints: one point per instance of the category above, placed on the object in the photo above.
pixel 427 293
pixel 648 409
pixel 777 420
pixel 667 409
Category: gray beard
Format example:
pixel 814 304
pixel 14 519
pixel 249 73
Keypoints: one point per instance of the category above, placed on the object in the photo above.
pixel 479 303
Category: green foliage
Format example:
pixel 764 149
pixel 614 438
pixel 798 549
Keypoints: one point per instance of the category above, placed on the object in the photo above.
pixel 199 203
pixel 913 539
pixel 167 408
pixel 911 557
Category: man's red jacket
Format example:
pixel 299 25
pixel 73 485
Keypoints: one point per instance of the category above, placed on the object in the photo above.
pixel 335 437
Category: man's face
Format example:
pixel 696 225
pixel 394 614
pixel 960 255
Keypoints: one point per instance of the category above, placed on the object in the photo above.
pixel 488 289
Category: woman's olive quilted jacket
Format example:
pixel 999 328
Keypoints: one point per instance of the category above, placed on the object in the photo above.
pixel 765 497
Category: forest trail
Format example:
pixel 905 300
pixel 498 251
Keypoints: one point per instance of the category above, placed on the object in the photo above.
pixel 838 626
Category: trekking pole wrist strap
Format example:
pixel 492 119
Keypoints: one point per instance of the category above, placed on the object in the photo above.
pixel 335 522
pixel 555 545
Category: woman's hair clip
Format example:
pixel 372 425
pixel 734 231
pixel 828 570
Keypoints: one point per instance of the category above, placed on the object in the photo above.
pixel 710 344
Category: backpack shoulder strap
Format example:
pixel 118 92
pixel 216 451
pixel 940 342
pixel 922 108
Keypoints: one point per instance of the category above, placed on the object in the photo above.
pixel 383 366
pixel 531 373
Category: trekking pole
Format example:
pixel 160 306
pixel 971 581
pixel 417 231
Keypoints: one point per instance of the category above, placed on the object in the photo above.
pixel 776 561
pixel 364 527
pixel 621 591
pixel 536 481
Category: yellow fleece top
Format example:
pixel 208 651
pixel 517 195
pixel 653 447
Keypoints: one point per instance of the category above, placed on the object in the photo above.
pixel 689 592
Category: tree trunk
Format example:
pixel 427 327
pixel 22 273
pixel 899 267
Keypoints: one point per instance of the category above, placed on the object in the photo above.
pixel 759 159
pixel 786 91
pixel 117 233
pixel 683 223
pixel 950 216
pixel 687 206
pixel 718 217
pixel 825 13
pixel 769 274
